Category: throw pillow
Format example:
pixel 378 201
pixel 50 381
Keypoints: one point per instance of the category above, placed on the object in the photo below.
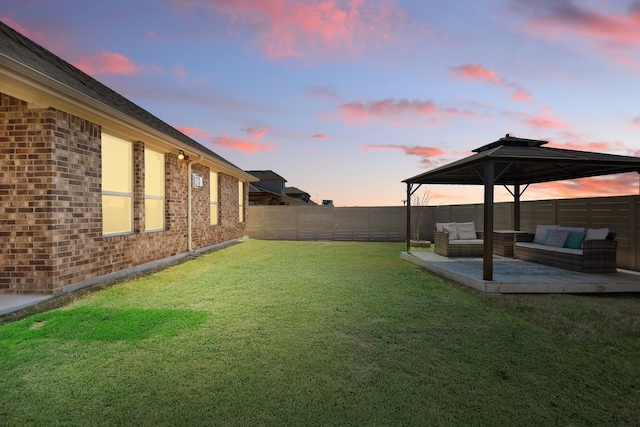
pixel 557 238
pixel 466 231
pixel 541 231
pixel 546 236
pixel 596 234
pixel 574 240
pixel 440 225
pixel 570 229
pixel 452 229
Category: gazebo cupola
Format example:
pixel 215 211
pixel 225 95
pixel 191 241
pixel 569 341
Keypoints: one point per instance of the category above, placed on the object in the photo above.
pixel 511 141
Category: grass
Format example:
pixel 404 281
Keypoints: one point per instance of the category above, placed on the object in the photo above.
pixel 320 333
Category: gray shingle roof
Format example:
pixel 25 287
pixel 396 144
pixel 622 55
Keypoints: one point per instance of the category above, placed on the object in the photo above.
pixel 526 161
pixel 266 175
pixel 294 190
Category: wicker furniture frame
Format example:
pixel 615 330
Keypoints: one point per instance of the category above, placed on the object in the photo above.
pixel 503 241
pixel 598 256
pixel 453 250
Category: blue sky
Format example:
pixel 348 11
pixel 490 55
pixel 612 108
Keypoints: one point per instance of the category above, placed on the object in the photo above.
pixel 345 99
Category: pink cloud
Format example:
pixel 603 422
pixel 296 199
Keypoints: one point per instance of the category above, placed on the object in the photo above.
pixel 610 185
pixel 319 136
pixel 63 44
pixel 601 147
pixel 570 140
pixel 473 72
pixel 324 92
pixel 521 94
pixel 397 110
pixel 636 122
pixel 313 28
pixel 478 72
pixel 194 132
pixel 544 120
pixel 242 144
pixel 412 151
pixel 257 133
pixel 426 154
pixel 613 34
pixel 179 71
pixel 46 34
pixel 19 28
pixel 107 62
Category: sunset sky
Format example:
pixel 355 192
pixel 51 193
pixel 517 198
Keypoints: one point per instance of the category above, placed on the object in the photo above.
pixel 345 99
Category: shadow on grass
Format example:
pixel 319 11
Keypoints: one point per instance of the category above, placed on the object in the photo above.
pixel 103 324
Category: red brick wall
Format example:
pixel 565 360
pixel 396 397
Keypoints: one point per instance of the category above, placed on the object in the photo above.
pixel 228 226
pixel 50 204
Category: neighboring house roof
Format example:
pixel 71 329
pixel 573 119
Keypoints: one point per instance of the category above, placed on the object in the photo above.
pixel 32 73
pixel 290 195
pixel 267 175
pixel 282 197
pixel 303 197
pixel 294 190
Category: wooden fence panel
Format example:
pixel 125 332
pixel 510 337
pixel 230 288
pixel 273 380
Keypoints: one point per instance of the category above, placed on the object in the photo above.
pixel 387 224
pixel 537 212
pixel 423 219
pixel 502 216
pixel 463 213
pixel 351 224
pixel 620 214
pixel 442 214
pixel 280 223
pixel 315 223
pixel 255 225
pixel 614 214
pixel 572 212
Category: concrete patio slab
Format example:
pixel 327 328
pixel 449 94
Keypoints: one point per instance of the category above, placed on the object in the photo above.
pixel 516 276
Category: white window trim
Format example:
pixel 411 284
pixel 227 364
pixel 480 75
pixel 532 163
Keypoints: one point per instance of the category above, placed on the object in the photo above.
pixel 240 201
pixel 157 197
pixel 213 204
pixel 128 195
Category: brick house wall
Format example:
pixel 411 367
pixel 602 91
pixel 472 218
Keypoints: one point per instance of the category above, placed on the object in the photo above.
pixel 227 208
pixel 51 204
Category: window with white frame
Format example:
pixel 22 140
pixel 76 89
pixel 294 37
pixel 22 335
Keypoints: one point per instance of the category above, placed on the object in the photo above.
pixel 240 201
pixel 153 190
pixel 117 186
pixel 213 197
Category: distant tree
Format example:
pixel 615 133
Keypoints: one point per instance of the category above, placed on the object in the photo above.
pixel 419 213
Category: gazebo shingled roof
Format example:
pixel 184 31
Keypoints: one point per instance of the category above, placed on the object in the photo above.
pixel 517 161
pixel 526 161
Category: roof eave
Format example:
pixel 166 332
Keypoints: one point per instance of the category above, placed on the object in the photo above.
pixel 41 91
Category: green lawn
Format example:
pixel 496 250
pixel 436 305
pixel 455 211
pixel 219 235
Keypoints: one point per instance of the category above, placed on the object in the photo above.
pixel 320 333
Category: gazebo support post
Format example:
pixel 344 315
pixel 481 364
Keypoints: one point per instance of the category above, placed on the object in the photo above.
pixel 516 206
pixel 410 191
pixel 516 193
pixel 489 176
pixel 409 216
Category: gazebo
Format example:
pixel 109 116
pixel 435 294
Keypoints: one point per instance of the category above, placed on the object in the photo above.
pixel 516 162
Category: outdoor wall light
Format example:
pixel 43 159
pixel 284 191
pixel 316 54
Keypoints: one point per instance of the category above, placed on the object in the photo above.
pixel 181 155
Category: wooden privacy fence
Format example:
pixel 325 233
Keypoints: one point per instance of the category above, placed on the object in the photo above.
pixel 388 224
pixel 369 224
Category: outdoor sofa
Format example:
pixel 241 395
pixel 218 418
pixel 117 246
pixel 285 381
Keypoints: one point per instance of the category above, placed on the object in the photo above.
pixel 572 248
pixel 458 240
